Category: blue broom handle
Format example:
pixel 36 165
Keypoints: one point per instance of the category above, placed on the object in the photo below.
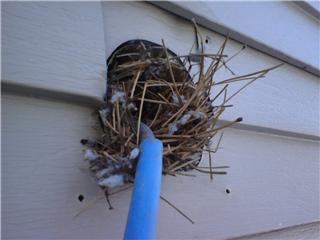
pixel 143 213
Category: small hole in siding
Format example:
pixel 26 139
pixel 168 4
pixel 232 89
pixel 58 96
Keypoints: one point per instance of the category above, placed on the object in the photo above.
pixel 207 39
pixel 228 191
pixel 80 198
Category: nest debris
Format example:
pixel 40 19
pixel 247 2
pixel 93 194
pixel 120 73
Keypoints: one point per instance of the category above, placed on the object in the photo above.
pixel 149 84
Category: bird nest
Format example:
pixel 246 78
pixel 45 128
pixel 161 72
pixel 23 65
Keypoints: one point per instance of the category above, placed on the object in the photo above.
pixel 148 84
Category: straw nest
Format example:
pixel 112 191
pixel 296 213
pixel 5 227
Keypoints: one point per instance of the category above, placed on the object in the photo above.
pixel 148 84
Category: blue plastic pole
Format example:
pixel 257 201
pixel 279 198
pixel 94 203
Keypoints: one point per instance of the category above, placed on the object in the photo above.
pixel 143 213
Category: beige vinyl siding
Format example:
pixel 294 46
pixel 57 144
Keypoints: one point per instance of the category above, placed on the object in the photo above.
pixel 53 78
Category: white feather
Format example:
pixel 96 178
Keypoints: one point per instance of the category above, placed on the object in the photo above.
pixel 184 119
pixel 112 181
pixel 134 153
pixel 197 115
pixel 132 106
pixel 105 171
pixel 173 127
pixel 175 98
pixel 118 96
pixel 104 113
pixel 90 155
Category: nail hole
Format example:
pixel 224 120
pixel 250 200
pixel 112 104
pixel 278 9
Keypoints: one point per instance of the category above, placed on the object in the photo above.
pixel 80 198
pixel 228 191
pixel 207 39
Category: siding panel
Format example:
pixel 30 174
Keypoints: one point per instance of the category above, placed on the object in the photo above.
pixel 57 46
pixel 58 50
pixel 273 181
pixel 274 27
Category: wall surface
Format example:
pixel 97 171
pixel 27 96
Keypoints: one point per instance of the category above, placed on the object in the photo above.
pixel 275 28
pixel 53 79
pixel 304 231
pixel 54 46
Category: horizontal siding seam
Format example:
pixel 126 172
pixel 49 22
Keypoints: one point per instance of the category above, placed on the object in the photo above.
pixel 273 131
pixel 308 8
pixel 236 36
pixel 49 93
pixel 91 101
pixel 311 224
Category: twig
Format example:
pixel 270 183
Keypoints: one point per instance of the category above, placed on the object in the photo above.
pixel 210 164
pixel 135 83
pixel 140 111
pixel 222 127
pixel 177 209
pixel 110 126
pixel 171 72
pixel 234 55
pixel 156 116
pixel 183 165
pixel 264 71
pixel 109 156
pixel 209 172
pixel 214 167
